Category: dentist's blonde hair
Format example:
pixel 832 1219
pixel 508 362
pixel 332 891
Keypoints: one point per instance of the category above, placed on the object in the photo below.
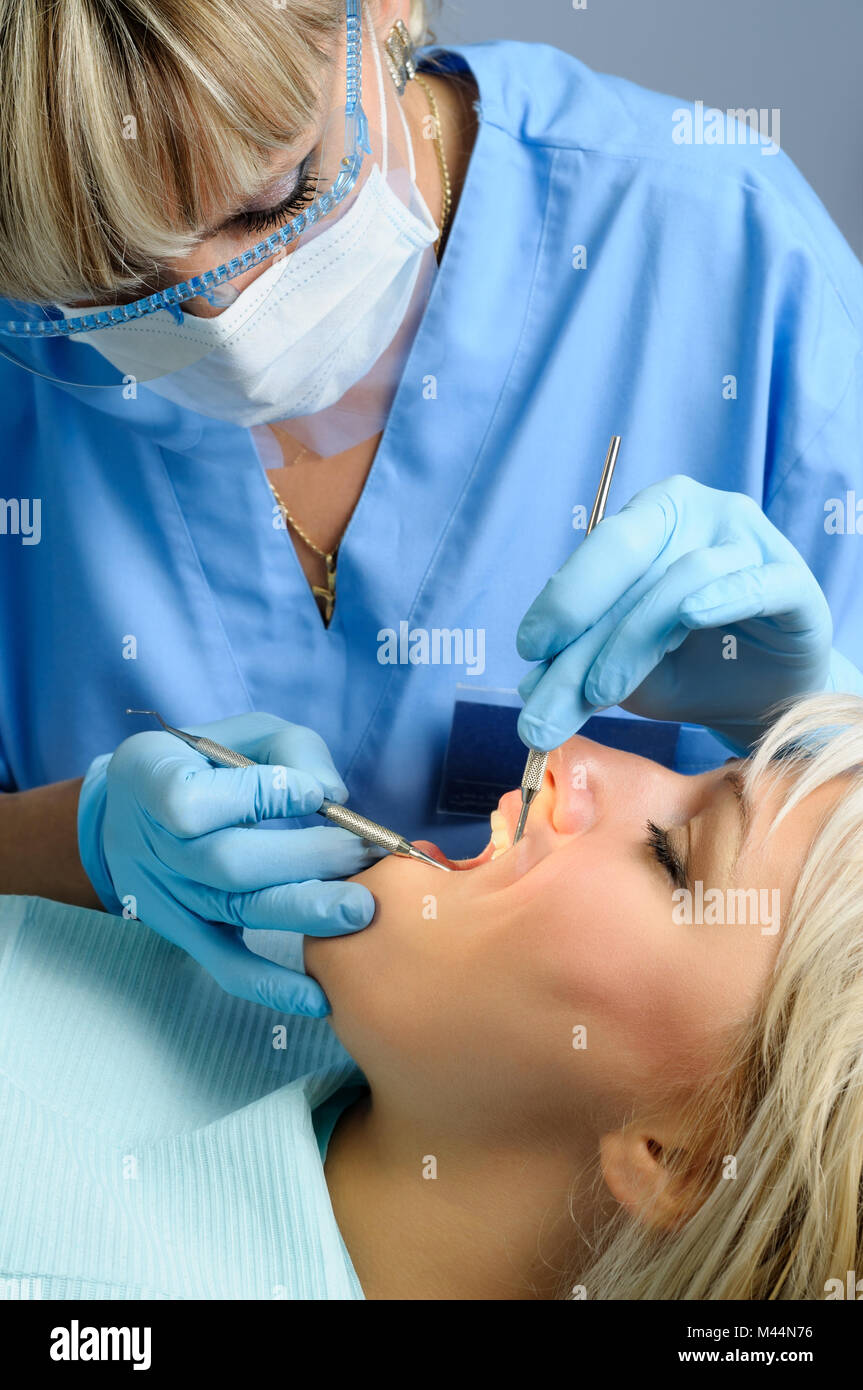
pixel 789 1108
pixel 214 87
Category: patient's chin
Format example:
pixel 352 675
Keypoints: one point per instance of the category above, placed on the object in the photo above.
pixel 352 970
pixel 324 957
pixel 356 964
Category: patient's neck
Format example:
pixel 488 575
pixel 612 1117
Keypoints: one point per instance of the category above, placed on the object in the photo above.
pixel 428 1212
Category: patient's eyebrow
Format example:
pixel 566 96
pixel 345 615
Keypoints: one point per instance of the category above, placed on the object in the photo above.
pixel 734 778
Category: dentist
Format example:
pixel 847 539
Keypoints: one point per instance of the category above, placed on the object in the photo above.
pixel 308 333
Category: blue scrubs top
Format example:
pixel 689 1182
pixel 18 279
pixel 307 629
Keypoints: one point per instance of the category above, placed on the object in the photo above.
pixel 161 582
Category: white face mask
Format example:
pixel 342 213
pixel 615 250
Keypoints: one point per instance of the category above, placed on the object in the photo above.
pixel 303 333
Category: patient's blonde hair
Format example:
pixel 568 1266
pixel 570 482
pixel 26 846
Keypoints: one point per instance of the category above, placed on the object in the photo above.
pixel 790 1106
pixel 213 88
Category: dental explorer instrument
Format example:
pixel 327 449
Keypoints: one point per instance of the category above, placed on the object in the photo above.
pixel 340 815
pixel 534 768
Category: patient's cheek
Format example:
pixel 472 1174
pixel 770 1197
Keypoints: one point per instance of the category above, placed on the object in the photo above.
pixel 572 819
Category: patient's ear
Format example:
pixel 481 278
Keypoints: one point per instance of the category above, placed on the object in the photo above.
pixel 638 1172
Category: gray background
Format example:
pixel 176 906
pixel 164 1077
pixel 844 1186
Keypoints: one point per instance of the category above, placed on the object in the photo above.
pixel 803 56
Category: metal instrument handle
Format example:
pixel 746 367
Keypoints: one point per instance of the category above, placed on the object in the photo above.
pixel 220 754
pixel 361 825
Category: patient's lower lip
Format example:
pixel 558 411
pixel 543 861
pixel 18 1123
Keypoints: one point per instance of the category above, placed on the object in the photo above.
pixel 509 805
pixel 436 852
pixel 509 866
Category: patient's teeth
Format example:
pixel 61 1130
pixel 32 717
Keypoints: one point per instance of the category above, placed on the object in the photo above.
pixel 499 834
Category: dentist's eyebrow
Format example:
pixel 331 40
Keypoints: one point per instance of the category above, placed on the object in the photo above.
pixel 278 190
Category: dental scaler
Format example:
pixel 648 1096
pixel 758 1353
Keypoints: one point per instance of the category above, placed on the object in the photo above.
pixel 340 815
pixel 534 768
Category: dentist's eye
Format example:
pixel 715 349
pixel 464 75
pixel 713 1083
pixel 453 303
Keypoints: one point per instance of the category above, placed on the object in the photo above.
pixel 663 852
pixel 268 219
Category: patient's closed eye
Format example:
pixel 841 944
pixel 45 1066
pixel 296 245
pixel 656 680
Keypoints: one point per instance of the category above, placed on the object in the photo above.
pixel 664 854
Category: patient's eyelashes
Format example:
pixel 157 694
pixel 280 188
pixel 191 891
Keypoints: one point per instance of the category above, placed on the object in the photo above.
pixel 664 853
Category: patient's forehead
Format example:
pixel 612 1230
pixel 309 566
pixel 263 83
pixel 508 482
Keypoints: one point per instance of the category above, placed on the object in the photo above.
pixel 781 849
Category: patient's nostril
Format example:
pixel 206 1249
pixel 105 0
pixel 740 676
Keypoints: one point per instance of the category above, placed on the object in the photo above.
pixel 573 805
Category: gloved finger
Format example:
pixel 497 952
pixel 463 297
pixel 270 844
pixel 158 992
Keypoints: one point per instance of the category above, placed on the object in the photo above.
pixel 313 908
pixel 188 797
pixel 239 731
pixel 249 976
pixel 221 951
pixel 245 858
pixel 788 594
pixel 596 576
pixel 275 741
pixel 653 626
pixel 528 683
pixel 557 708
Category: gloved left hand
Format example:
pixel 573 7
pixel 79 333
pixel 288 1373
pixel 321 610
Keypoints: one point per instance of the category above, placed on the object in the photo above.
pixel 688 605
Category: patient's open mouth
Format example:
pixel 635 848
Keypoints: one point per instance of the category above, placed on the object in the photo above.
pixel 502 828
pixel 565 807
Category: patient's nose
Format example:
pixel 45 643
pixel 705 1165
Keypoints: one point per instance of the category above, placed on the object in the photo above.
pixel 590 784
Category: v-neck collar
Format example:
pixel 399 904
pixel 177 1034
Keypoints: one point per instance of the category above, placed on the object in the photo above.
pixel 418 481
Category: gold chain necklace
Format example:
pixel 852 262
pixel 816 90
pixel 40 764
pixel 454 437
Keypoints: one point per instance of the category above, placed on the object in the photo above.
pixel 327 594
pixel 446 182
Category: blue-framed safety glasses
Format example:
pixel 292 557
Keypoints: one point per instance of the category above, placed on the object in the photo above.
pixel 53 341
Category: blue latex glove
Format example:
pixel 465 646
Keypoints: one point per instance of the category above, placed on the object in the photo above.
pixel 176 842
pixel 688 605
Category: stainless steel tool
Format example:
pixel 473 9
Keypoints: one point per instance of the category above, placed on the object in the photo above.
pixel 340 815
pixel 534 768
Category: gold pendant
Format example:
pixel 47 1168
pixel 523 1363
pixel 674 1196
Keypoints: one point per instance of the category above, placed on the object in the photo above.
pixel 328 594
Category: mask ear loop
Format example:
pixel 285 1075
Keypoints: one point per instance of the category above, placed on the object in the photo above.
pixel 382 99
pixel 416 192
pixel 382 102
pixel 412 168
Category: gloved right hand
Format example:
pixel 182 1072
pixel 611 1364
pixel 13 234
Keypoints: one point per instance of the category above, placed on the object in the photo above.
pixel 170 839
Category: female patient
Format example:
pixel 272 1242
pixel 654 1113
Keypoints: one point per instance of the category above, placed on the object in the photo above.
pixel 623 1058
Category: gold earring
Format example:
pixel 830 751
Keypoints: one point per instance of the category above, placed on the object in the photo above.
pixel 400 55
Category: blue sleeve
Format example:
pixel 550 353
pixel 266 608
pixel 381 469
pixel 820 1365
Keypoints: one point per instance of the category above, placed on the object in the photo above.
pixel 818 505
pixel 813 489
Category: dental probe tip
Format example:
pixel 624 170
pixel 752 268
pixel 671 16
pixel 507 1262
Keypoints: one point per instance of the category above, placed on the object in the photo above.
pixel 522 820
pixel 156 715
pixel 427 859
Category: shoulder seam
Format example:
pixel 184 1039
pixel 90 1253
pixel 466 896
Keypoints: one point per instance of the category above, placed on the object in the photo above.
pixel 775 490
pixel 761 190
